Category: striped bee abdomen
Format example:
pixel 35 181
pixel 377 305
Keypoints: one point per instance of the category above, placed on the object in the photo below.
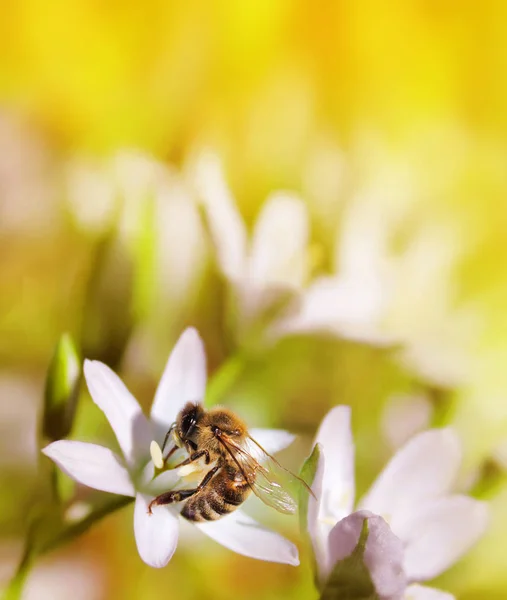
pixel 221 496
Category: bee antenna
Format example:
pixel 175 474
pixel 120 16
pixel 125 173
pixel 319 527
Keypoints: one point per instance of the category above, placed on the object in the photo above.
pixel 171 429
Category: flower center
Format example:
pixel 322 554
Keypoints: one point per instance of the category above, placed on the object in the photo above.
pixel 163 464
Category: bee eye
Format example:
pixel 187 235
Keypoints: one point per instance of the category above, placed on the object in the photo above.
pixel 187 424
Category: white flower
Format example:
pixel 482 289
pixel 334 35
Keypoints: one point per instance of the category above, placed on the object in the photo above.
pixel 142 197
pixel 183 380
pixel 413 494
pixel 270 274
pixel 270 266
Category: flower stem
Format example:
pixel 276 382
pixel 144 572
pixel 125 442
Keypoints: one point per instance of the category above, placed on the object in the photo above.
pixel 15 588
pixel 70 532
pixel 34 548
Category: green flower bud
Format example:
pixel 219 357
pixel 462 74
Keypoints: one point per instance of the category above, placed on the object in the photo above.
pixel 62 390
pixel 109 316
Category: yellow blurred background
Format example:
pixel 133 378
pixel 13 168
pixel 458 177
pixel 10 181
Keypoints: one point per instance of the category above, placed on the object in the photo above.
pixel 396 110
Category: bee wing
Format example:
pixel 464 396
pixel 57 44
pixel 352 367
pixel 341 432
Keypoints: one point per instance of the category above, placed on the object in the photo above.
pixel 265 475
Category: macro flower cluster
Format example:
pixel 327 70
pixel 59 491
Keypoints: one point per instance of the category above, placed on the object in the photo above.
pixel 408 528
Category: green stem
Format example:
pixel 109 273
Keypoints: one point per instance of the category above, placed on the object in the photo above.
pixel 15 589
pixel 63 536
pixel 70 532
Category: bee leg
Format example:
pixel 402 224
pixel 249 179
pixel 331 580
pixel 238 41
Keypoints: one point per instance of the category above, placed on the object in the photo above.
pixel 170 453
pixel 170 498
pixel 180 495
pixel 194 456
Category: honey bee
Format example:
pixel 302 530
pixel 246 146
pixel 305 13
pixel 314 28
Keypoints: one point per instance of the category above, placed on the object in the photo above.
pixel 239 466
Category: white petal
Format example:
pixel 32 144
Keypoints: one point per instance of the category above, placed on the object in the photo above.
pixel 362 248
pixel 404 416
pixel 423 469
pixel 333 484
pixel 335 437
pixel 156 534
pixel 350 308
pixel 240 533
pixel 279 244
pixel 421 592
pixel 440 533
pixel 92 465
pixel 124 414
pixel 272 440
pixel 183 380
pixel 383 554
pixel 164 482
pixel 227 227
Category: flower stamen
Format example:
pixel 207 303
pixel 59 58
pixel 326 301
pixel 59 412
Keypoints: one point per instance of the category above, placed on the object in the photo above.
pixel 156 455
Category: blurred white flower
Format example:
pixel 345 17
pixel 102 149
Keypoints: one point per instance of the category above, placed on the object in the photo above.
pixel 183 380
pixel 405 415
pixel 393 283
pixel 149 201
pixel 403 257
pixel 413 495
pixel 274 261
pixel 273 266
pixel 396 276
pixel 352 302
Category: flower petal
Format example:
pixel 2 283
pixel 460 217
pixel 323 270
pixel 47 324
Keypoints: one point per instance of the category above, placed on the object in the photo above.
pixel 272 440
pixel 350 308
pixel 164 482
pixel 440 533
pixel 383 552
pixel 92 465
pixel 227 227
pixel 156 534
pixel 421 592
pixel 240 533
pixel 279 243
pixel 183 380
pixel 423 469
pixel 333 484
pixel 335 437
pixel 121 409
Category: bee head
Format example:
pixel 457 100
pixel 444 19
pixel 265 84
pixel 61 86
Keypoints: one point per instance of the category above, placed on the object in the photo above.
pixel 187 421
